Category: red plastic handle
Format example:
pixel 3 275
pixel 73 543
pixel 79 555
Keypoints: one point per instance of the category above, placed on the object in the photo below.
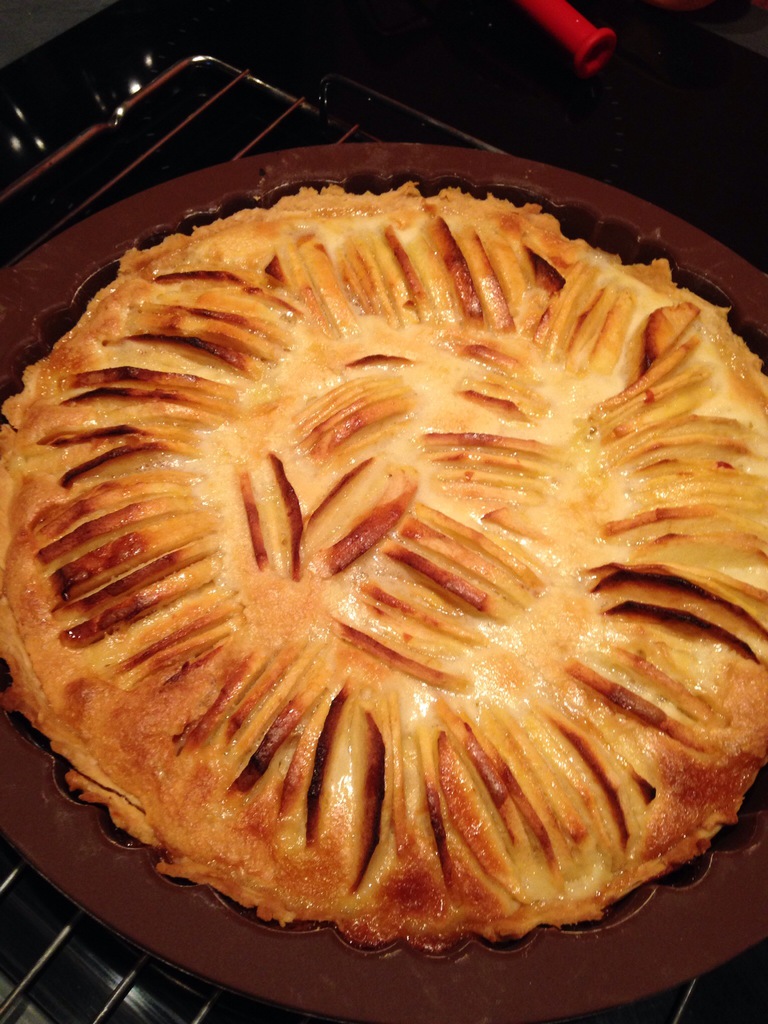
pixel 591 47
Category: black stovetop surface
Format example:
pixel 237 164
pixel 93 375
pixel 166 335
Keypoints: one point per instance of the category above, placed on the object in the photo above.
pixel 679 117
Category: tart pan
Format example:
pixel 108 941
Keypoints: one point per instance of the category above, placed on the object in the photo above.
pixel 659 936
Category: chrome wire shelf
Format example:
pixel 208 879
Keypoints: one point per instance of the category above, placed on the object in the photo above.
pixel 199 112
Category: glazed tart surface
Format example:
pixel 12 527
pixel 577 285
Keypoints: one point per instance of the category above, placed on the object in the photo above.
pixel 397 562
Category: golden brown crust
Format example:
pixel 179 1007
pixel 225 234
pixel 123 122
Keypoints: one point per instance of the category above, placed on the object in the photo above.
pixel 396 562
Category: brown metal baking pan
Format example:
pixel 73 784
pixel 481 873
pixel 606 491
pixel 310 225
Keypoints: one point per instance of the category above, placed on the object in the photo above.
pixel 659 936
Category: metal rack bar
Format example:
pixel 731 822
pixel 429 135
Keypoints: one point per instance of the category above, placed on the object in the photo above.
pixel 121 991
pixel 207 1006
pixel 117 117
pixel 296 105
pixel 79 141
pixel 15 995
pixel 680 1009
pixel 133 164
pixel 35 177
pixel 22 996
pixel 358 98
pixel 343 105
pixel 13 876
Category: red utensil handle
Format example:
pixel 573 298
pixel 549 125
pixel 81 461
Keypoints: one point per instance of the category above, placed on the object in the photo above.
pixel 591 47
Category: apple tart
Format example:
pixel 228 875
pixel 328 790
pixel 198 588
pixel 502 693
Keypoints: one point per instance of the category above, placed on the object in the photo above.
pixel 397 562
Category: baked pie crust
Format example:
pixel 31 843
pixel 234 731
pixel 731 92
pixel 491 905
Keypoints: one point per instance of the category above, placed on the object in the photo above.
pixel 395 561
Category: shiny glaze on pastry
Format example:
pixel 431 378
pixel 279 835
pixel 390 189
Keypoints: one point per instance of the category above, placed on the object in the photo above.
pixel 396 562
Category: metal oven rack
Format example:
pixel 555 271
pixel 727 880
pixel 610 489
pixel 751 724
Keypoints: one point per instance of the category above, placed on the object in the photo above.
pixel 199 112
pixel 57 964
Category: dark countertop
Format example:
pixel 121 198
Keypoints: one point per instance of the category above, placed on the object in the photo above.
pixel 743 22
pixel 27 24
pixel 697 68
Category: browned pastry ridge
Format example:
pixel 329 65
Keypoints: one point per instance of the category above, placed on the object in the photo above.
pixel 395 562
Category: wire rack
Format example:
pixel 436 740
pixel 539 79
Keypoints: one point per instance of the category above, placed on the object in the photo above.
pixel 198 112
pixel 59 965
